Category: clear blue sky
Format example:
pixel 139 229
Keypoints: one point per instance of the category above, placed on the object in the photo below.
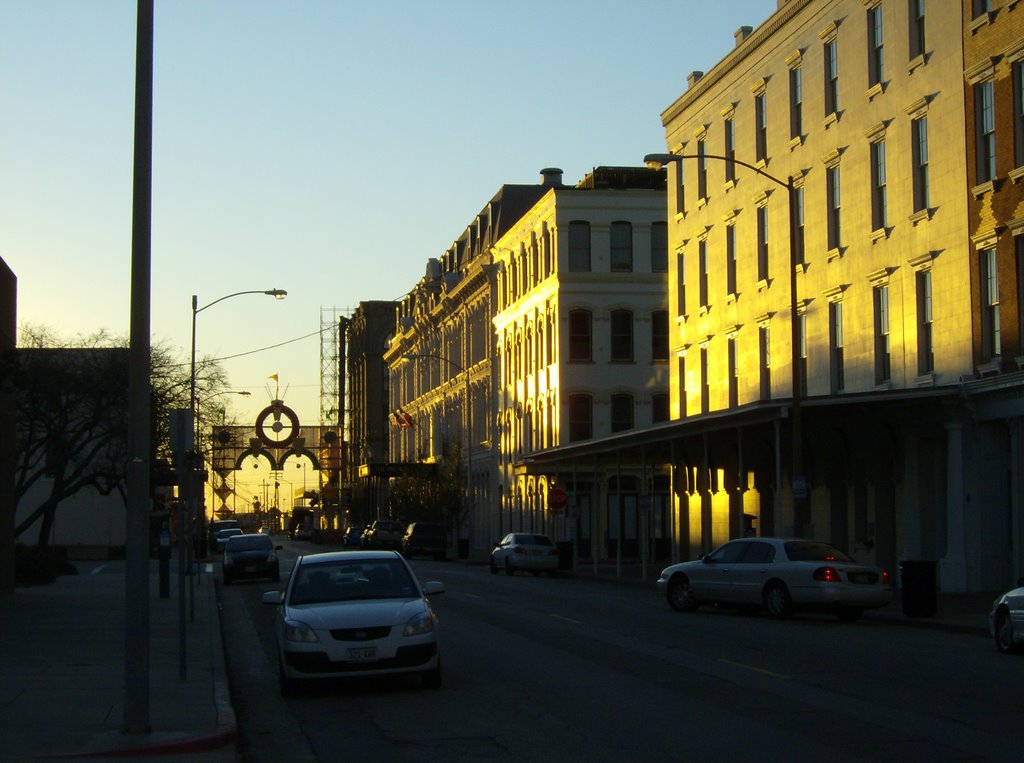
pixel 326 148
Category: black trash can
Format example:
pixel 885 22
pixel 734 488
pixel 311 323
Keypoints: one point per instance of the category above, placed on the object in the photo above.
pixel 918 581
pixel 564 555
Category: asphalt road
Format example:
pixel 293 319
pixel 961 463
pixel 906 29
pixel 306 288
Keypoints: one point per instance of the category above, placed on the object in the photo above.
pixel 557 669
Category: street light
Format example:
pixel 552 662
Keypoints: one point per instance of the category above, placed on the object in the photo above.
pixel 469 420
pixel 797 481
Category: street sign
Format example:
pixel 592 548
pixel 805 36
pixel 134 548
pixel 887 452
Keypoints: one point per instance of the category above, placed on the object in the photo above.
pixel 557 499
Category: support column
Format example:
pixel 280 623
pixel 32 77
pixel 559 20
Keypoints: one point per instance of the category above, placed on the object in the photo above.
pixel 953 565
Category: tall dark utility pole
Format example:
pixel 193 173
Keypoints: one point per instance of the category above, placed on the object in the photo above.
pixel 136 619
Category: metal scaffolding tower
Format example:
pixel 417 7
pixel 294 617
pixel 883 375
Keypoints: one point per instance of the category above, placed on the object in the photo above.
pixel 330 373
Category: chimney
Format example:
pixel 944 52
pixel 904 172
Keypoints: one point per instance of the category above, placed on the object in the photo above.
pixel 742 33
pixel 551 176
pixel 693 77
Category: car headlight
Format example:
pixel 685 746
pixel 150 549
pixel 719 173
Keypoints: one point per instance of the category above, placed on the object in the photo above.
pixel 300 632
pixel 420 624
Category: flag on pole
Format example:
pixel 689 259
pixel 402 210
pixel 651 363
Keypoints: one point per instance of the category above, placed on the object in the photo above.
pixel 273 376
pixel 407 419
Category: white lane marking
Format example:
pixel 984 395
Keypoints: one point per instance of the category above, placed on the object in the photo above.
pixel 568 619
pixel 756 670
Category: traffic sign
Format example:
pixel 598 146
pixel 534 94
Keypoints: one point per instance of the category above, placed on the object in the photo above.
pixel 557 499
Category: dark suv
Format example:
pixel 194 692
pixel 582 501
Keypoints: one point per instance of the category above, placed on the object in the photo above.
pixel 426 539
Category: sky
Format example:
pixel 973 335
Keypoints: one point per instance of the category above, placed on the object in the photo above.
pixel 329 148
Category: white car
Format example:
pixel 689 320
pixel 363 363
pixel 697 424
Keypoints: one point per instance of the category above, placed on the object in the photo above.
pixel 222 537
pixel 355 613
pixel 1006 621
pixel 524 551
pixel 781 575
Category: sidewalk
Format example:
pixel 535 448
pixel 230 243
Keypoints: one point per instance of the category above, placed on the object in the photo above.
pixel 62 666
pixel 62 671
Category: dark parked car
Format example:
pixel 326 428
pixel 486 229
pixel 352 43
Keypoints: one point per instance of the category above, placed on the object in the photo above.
pixel 424 539
pixel 216 526
pixel 250 556
pixel 353 536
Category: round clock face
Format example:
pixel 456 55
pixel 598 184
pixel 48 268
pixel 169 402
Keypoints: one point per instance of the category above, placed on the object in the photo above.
pixel 277 426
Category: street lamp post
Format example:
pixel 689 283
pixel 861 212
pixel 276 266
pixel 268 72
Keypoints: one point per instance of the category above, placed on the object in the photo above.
pixel 191 464
pixel 798 482
pixel 469 422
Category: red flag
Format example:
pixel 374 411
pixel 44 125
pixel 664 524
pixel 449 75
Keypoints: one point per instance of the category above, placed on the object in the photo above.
pixel 407 418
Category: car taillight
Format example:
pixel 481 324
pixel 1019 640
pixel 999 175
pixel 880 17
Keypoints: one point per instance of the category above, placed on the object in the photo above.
pixel 827 575
pixel 885 577
pixel 518 550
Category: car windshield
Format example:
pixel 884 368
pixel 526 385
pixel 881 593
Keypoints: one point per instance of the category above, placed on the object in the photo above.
pixel 812 551
pixel 246 543
pixel 350 580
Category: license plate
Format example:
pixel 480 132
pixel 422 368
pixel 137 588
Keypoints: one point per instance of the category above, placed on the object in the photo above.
pixel 362 654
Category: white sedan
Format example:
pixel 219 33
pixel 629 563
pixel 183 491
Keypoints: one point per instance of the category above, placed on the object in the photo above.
pixel 355 613
pixel 1006 620
pixel 525 551
pixel 781 575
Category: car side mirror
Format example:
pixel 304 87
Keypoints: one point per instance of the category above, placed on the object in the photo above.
pixel 706 559
pixel 433 587
pixel 273 597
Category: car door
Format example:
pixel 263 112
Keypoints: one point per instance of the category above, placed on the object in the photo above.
pixel 752 570
pixel 713 579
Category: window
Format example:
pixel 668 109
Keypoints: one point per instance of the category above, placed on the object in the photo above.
pixel 681 282
pixel 622 336
pixel 764 351
pixel 879 207
pixel 681 363
pixel 579 246
pixel 702 170
pixel 979 7
pixel 730 150
pixel 990 328
pixel 659 335
pixel 581 417
pixel 659 248
pixel 734 379
pixel 705 388
pixel 883 368
pixel 985 132
pixel 917 38
pixel 580 344
pixel 762 243
pixel 796 102
pixel 798 198
pixel 919 157
pixel 833 200
pixel 680 188
pixel 835 334
pixel 802 338
pixel 925 340
pixel 761 128
pixel 622 412
pixel 876 57
pixel 622 247
pixel 1018 243
pixel 659 408
pixel 1018 114
pixel 831 78
pixel 702 255
pixel 730 259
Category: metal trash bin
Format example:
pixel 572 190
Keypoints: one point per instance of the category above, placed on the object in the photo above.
pixel 919 587
pixel 564 555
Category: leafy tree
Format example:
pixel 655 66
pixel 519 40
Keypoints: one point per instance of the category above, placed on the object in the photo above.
pixel 438 498
pixel 72 406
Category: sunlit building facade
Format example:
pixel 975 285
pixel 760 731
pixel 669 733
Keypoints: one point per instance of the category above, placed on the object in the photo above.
pixel 581 331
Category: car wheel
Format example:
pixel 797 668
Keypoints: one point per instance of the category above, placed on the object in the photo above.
pixel 680 595
pixel 849 614
pixel 508 567
pixel 494 568
pixel 1004 633
pixel 432 678
pixel 777 600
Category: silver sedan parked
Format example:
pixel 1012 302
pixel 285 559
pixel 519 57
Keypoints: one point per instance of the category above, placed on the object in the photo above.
pixel 1006 620
pixel 355 613
pixel 781 575
pixel 525 551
